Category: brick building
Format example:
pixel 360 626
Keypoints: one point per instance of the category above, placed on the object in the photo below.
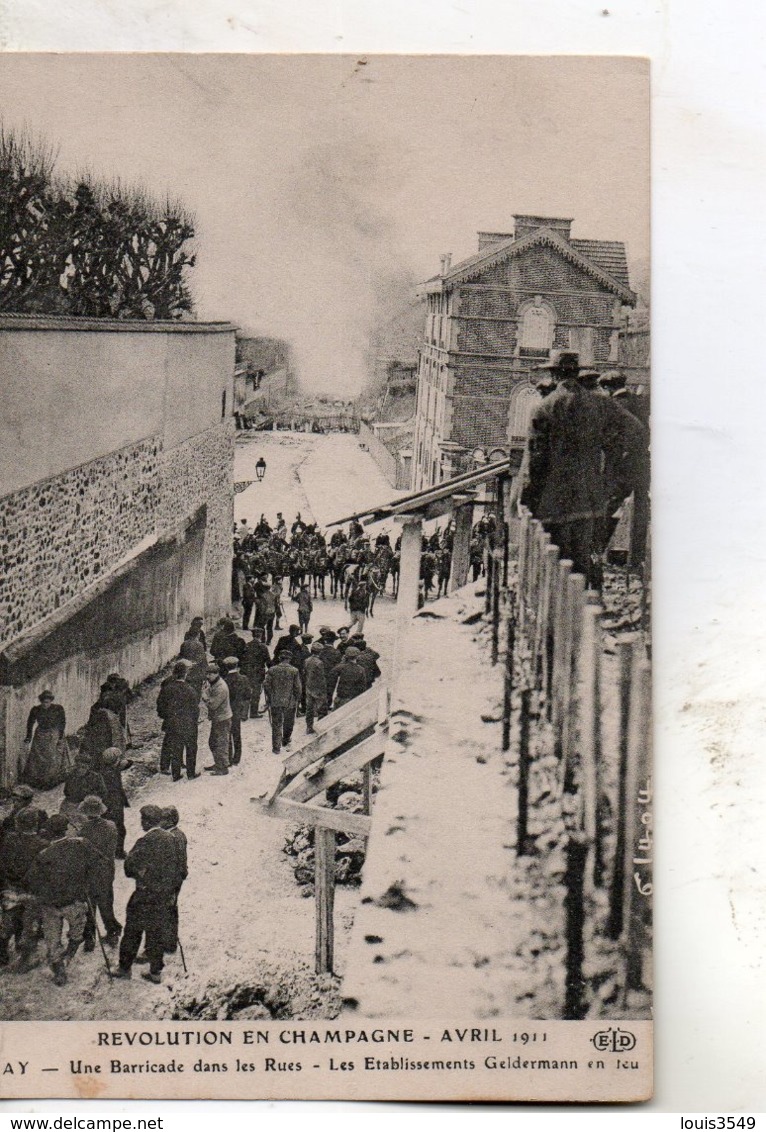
pixel 491 319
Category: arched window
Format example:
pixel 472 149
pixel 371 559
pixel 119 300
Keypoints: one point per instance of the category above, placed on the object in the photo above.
pixel 524 401
pixel 537 322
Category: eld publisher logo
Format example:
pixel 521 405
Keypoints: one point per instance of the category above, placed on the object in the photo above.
pixel 614 1040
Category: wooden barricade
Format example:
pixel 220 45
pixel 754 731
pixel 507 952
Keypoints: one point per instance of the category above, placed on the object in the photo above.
pixel 347 740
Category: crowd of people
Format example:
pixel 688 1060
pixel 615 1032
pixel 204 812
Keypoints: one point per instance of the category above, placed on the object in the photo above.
pixel 57 874
pixel 57 870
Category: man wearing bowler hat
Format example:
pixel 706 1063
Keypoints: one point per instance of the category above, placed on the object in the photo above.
pixel 574 433
pixel 178 708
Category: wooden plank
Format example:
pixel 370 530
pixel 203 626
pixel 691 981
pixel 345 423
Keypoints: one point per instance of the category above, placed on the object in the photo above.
pixel 324 888
pixel 351 724
pixel 337 769
pixel 355 825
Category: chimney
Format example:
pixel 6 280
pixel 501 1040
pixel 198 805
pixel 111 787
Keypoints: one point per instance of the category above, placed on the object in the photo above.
pixel 446 262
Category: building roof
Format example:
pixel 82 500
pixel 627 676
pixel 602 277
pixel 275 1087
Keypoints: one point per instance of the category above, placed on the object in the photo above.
pixel 609 255
pixel 605 260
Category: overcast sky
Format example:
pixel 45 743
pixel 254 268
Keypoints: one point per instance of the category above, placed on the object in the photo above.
pixel 317 180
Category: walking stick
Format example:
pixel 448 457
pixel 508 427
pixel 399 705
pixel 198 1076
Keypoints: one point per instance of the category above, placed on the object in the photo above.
pixel 178 938
pixel 100 940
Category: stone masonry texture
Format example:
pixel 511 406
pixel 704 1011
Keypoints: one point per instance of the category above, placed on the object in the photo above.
pixel 62 534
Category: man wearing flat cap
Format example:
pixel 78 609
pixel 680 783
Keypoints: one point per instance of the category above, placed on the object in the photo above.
pixel 62 878
pixel 153 863
pixel 215 696
pixel 282 688
pixel 240 694
pixel 102 834
pixel 573 435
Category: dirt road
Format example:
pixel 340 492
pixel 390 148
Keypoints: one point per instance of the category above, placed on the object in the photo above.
pixel 240 906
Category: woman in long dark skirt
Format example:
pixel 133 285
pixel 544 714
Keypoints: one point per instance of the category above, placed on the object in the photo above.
pixel 49 760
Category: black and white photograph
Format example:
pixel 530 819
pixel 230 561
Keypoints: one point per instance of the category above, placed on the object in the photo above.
pixel 325 470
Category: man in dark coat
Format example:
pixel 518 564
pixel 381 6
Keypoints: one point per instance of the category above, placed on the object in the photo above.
pixel 282 688
pixel 315 683
pixel 573 434
pixel 81 781
pixel 154 865
pixel 62 878
pixel 613 384
pixel 178 708
pixel 115 798
pixel 248 600
pixel 170 819
pixel 102 835
pixel 327 653
pixel 193 650
pixel 19 849
pixel 368 661
pixel 227 642
pixel 197 626
pixel 290 643
pixel 240 694
pixel 348 679
pixel 257 660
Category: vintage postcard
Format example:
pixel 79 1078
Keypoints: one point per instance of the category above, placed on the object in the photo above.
pixel 325 470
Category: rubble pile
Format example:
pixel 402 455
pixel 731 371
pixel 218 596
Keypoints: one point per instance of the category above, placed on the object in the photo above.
pixel 349 852
pixel 268 992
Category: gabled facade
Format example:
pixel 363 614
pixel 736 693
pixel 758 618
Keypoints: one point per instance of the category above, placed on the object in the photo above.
pixel 491 319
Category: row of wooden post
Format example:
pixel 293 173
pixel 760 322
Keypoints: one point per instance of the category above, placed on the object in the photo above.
pixel 553 642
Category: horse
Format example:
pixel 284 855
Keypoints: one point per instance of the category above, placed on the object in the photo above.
pixel 443 567
pixel 382 560
pixel 393 569
pixel 319 564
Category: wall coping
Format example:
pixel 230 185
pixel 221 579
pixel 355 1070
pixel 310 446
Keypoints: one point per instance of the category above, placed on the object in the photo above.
pixel 10 321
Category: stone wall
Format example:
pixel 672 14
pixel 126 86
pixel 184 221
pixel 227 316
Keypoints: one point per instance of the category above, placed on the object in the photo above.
pixel 200 471
pixel 60 535
pixel 103 560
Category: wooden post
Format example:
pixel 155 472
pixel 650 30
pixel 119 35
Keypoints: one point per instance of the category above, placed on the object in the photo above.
pixel 551 567
pixel 409 587
pixel 324 887
pixel 495 608
pixel 574 909
pixel 590 733
pixel 461 546
pixel 510 646
pixel 409 567
pixel 560 643
pixel 637 880
pixel 524 760
pixel 569 672
pixel 625 659
pixel 552 564
pixel 367 788
pixel 522 583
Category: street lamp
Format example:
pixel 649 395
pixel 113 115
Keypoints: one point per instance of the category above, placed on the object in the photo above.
pixel 260 469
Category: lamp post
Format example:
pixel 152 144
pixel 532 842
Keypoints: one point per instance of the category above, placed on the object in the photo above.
pixel 260 469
